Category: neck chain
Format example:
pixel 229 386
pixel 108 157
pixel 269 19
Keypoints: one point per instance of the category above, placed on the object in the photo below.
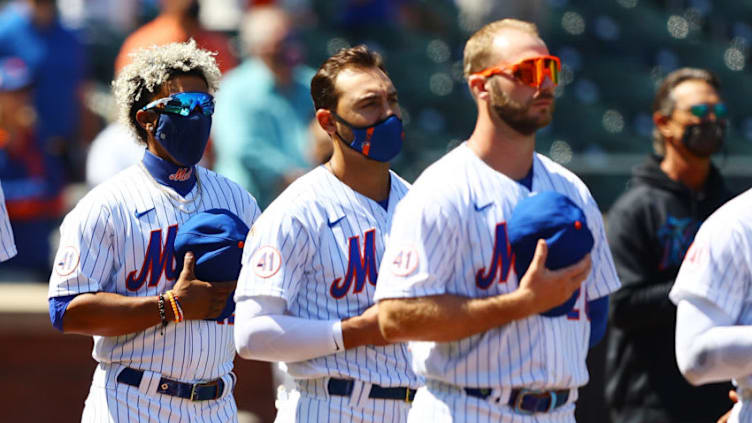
pixel 176 199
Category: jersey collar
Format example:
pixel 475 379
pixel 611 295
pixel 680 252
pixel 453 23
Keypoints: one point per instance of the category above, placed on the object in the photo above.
pixel 181 179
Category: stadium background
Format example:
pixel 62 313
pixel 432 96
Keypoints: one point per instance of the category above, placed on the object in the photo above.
pixel 614 52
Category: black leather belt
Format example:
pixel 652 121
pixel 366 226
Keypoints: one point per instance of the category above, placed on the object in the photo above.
pixel 192 391
pixel 527 401
pixel 344 388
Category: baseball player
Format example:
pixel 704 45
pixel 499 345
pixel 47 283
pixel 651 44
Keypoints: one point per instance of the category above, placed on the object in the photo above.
pixel 115 276
pixel 447 279
pixel 712 292
pixel 7 245
pixel 310 264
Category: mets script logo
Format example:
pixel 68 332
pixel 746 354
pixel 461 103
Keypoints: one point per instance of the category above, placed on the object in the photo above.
pixel 360 267
pixel 182 174
pixel 501 261
pixel 159 259
pixel 676 235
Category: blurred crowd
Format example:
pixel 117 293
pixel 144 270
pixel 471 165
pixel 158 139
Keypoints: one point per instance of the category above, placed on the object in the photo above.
pixel 56 131
pixel 59 135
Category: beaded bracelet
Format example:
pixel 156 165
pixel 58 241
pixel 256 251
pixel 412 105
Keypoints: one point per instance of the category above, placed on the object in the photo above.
pixel 178 317
pixel 180 308
pixel 162 315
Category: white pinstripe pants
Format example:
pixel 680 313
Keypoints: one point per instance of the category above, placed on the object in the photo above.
pixel 451 406
pixel 110 402
pixel 313 405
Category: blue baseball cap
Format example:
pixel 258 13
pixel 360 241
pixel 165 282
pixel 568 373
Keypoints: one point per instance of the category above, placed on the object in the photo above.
pixel 557 219
pixel 216 238
pixel 14 74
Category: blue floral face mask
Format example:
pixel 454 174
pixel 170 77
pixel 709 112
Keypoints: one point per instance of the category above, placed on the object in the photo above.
pixel 381 141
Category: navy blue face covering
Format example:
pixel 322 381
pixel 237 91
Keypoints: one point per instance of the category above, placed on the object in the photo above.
pixel 184 137
pixel 381 141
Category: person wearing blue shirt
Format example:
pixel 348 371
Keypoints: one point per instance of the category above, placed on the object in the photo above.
pixel 31 31
pixel 264 108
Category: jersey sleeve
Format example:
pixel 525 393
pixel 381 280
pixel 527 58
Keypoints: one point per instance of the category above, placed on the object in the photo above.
pixel 603 278
pixel 276 253
pixel 419 259
pixel 7 244
pixel 716 267
pixel 84 259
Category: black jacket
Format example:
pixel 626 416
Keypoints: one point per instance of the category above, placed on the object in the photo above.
pixel 650 228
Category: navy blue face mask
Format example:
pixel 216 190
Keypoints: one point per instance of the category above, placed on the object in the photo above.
pixel 184 137
pixel 381 141
pixel 184 124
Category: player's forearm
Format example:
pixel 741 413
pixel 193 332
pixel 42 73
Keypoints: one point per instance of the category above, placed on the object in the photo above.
pixel 718 355
pixel 445 318
pixel 283 338
pixel 108 314
pixel 362 330
pixel 708 347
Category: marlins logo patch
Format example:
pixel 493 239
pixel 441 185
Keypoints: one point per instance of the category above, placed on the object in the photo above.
pixel 66 261
pixel 404 261
pixel 266 262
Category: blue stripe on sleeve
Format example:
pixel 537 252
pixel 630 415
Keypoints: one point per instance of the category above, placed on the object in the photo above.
pixel 58 305
pixel 598 310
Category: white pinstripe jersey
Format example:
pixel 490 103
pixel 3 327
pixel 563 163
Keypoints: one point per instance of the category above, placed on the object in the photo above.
pixel 718 266
pixel 318 247
pixel 119 238
pixel 449 237
pixel 7 244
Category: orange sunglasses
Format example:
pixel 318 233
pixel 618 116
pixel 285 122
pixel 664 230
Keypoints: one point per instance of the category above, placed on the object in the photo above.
pixel 529 71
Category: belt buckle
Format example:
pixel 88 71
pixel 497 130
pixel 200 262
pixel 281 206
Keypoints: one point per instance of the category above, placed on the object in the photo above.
pixel 194 391
pixel 525 392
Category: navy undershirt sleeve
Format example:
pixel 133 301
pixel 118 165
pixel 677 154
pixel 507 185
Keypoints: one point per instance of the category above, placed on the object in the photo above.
pixel 598 312
pixel 58 305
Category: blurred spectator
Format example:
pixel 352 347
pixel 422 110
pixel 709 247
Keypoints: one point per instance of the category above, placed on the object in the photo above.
pixel 650 228
pixel 31 182
pixel 177 22
pixel 118 15
pixel 31 30
pixel 476 13
pixel 264 108
pixel 114 149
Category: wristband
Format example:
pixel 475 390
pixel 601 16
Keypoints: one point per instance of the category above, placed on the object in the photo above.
pixel 162 315
pixel 180 308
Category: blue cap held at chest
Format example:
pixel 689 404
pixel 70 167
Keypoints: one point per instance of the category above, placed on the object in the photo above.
pixel 216 238
pixel 557 219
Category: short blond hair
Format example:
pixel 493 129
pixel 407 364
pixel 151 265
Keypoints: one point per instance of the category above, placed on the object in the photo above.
pixel 478 52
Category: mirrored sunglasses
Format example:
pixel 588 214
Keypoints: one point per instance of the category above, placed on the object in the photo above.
pixel 702 110
pixel 529 71
pixel 183 104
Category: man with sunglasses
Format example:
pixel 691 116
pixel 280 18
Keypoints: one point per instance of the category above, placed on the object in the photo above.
pixel 488 345
pixel 163 354
pixel 650 228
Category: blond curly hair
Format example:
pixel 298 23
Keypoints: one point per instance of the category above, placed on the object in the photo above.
pixel 151 67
